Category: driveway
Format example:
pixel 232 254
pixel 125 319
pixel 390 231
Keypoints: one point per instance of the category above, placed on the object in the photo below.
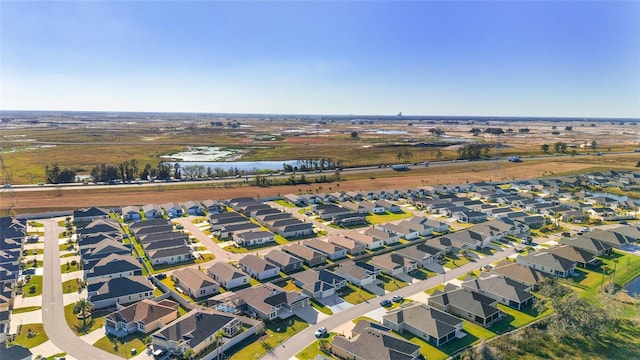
pixel 310 315
pixel 335 303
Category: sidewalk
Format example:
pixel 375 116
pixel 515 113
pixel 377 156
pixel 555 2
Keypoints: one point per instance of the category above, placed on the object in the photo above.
pixel 94 336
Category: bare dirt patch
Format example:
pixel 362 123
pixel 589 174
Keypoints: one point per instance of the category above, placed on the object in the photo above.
pixel 37 201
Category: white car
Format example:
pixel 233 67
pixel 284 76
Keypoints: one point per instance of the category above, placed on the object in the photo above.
pixel 322 331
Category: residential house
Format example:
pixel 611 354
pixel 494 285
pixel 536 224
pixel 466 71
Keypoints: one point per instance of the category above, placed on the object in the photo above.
pixel 253 238
pixel 266 301
pixel 193 208
pixel 195 283
pixel 353 247
pixel 388 206
pixel 423 254
pixel 195 331
pixel 309 256
pixel 287 263
pixel 602 214
pixel 428 223
pixel 525 275
pixel 319 284
pixel 131 213
pixel 143 317
pixel 369 241
pixel 87 215
pixel 469 216
pixel 502 289
pixel 581 257
pixel 107 292
pixel 358 273
pixel 227 275
pixel 593 246
pixel 112 266
pixel 258 268
pixel 170 256
pixel 387 238
pixel 374 344
pixel 428 323
pixel 227 231
pixel 394 264
pixel 332 251
pixel 152 211
pixel 296 230
pixel 172 210
pixel 466 304
pixel 405 231
pixel 214 207
pixel 548 263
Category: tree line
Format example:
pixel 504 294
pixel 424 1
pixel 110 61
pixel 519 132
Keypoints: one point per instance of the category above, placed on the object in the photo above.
pixel 56 175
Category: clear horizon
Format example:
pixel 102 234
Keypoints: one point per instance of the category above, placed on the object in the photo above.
pixel 506 59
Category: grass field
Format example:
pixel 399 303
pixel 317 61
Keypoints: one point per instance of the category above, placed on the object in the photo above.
pixel 387 216
pixel 70 286
pixel 25 309
pixel 35 284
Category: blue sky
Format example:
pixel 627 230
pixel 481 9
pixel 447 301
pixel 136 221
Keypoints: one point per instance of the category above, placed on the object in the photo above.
pixel 542 58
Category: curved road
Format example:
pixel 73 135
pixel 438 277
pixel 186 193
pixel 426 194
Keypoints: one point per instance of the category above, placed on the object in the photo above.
pixel 299 341
pixel 53 319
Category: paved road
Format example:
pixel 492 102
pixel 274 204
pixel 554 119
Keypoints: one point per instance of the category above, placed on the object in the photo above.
pixel 53 319
pixel 301 340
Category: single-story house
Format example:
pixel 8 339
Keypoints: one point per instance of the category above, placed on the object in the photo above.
pixel 353 247
pixel 107 292
pixel 373 343
pixel 548 263
pixel 466 304
pixel 428 323
pixel 143 317
pixel 152 211
pixel 253 238
pixel 258 268
pixel 287 263
pixel 394 264
pixel 502 289
pixel 319 284
pixel 332 251
pixel 309 256
pixel 227 275
pixel 87 215
pixel 131 213
pixel 195 283
pixel 358 273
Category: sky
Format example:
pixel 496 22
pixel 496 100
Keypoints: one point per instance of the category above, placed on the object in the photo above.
pixel 503 58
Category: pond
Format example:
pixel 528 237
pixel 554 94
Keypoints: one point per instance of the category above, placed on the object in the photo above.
pixel 633 288
pixel 240 165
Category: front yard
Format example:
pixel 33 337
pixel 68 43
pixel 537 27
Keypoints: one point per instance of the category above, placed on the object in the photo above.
pixel 95 322
pixel 390 283
pixel 386 217
pixel 356 295
pixel 275 333
pixel 31 335
pixel 122 347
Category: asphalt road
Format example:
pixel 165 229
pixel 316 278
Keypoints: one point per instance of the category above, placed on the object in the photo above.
pixel 53 319
pixel 297 343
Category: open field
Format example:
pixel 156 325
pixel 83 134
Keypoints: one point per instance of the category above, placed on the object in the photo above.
pixel 51 200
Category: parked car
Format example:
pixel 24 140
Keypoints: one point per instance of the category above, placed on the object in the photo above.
pixel 322 331
pixel 385 303
pixel 397 298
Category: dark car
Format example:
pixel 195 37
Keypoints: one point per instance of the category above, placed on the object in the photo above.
pixel 385 303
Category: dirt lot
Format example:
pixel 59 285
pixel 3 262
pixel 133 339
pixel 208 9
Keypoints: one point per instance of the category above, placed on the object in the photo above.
pixel 37 201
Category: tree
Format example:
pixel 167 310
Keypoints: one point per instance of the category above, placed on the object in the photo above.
pixel 188 354
pixel 523 130
pixel 555 132
pixel 568 128
pixel 544 148
pixel 436 131
pixel 594 145
pixel 354 134
pixel 475 131
pixel 83 307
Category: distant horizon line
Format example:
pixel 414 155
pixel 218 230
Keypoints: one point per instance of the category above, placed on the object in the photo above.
pixel 399 116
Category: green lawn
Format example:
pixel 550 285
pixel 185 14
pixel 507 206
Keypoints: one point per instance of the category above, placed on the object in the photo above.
pixel 454 261
pixel 355 295
pixel 387 216
pixel 285 203
pixel 321 308
pixel 524 317
pixel 433 289
pixel 31 335
pixel 69 267
pixel 390 283
pixel 70 286
pixel 35 280
pixel 58 355
pixel 25 309
pixel 422 274
pixel 65 247
pixel 276 332
pixel 95 322
pixel 122 347
pixel 313 350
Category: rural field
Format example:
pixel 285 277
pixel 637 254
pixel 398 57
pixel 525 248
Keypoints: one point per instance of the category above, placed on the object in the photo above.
pixel 32 143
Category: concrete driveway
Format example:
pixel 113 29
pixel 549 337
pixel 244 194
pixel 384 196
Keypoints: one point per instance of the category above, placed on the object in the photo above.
pixel 310 315
pixel 31 317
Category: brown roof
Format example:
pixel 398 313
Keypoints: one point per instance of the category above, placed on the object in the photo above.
pixel 145 311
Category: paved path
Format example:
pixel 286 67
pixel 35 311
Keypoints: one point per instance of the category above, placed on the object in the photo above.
pixel 53 319
pixel 215 249
pixel 301 340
